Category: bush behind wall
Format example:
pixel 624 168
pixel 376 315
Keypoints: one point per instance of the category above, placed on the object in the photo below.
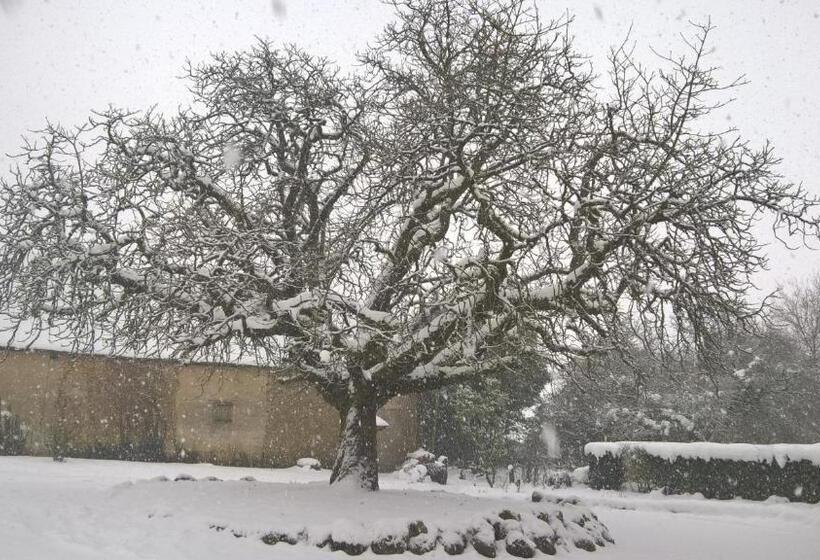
pixel 12 432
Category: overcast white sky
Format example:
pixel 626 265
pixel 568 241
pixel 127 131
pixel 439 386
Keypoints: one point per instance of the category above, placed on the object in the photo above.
pixel 61 58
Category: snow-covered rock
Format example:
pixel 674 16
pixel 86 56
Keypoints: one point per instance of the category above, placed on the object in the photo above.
pixel 309 463
pixel 483 540
pixel 519 546
pixel 453 542
pixel 421 465
pixel 421 455
pixel 413 472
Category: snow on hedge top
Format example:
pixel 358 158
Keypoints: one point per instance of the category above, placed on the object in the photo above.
pixel 782 453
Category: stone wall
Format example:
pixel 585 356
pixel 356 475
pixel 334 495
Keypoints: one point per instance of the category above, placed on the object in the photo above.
pixel 99 406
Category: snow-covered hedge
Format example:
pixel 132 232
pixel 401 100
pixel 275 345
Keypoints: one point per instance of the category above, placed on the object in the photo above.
pixel 717 470
pixel 780 453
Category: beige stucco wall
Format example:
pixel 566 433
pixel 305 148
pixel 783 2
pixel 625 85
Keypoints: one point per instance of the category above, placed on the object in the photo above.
pixel 196 434
pixel 276 420
pixel 88 405
pixel 84 404
pixel 28 387
pixel 402 436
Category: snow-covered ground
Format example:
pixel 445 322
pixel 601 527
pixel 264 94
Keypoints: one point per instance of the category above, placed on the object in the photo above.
pixel 84 509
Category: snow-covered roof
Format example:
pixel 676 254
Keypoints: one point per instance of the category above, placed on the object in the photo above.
pixel 670 450
pixel 381 422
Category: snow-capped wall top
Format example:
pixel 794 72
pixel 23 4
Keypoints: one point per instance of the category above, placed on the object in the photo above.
pixel 782 453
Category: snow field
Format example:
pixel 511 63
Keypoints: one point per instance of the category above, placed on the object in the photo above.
pixel 84 509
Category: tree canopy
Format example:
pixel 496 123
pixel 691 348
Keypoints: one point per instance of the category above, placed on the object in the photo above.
pixel 470 195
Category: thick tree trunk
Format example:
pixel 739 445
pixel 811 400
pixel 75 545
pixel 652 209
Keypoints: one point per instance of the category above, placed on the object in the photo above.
pixel 356 460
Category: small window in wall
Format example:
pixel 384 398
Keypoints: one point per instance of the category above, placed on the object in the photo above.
pixel 222 412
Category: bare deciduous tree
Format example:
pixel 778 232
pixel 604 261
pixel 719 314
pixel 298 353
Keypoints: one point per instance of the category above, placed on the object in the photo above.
pixel 798 310
pixel 468 198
